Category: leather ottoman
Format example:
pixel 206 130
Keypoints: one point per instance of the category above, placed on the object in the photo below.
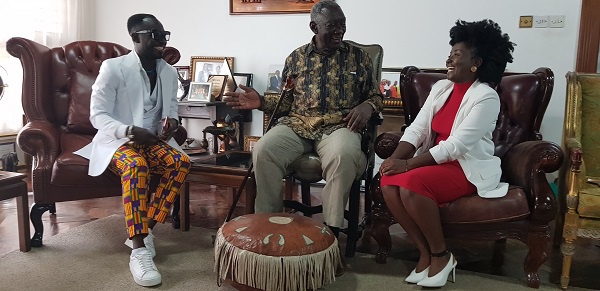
pixel 276 251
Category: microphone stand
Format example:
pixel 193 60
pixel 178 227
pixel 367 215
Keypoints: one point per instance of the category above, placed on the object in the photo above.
pixel 289 85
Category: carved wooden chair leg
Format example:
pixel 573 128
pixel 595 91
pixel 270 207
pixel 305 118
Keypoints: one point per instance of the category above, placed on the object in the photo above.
pixel 537 243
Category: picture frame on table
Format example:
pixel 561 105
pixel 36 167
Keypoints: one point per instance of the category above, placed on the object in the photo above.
pixel 389 85
pixel 219 82
pixel 249 142
pixel 243 79
pixel 200 92
pixel 274 81
pixel 201 67
pixel 184 76
pixel 270 7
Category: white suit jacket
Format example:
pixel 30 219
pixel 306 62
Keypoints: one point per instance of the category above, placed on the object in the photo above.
pixel 470 141
pixel 117 101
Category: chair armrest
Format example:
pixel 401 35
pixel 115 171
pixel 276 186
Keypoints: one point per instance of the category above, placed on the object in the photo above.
pixel 386 143
pixel 35 59
pixel 526 165
pixel 40 139
pixel 575 154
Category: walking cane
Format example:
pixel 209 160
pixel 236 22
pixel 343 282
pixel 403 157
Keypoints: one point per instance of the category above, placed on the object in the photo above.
pixel 289 85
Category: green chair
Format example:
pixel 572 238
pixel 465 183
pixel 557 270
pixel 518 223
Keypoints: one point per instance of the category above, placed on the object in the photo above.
pixel 579 178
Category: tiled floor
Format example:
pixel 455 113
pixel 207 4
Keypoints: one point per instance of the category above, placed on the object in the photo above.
pixel 209 206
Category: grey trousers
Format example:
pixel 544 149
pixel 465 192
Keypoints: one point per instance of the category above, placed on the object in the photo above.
pixel 342 160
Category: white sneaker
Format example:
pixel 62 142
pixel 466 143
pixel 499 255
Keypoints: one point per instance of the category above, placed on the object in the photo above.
pixel 143 268
pixel 148 241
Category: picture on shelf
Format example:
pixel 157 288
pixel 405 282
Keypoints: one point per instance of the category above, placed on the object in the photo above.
pixel 218 86
pixel 249 142
pixel 202 67
pixel 390 83
pixel 231 85
pixel 274 79
pixel 243 79
pixel 184 75
pixel 200 92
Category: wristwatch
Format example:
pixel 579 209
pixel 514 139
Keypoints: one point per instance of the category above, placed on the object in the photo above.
pixel 129 132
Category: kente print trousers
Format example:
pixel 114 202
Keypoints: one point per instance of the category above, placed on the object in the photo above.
pixel 135 163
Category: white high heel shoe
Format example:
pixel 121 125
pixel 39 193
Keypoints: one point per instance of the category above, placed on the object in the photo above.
pixel 415 277
pixel 441 278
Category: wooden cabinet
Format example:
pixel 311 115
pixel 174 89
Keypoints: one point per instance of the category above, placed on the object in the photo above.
pixel 214 111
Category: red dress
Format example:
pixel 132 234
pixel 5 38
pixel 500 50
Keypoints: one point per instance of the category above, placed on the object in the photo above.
pixel 428 181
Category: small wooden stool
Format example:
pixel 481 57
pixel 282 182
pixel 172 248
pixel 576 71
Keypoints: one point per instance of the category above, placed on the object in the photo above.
pixel 13 186
pixel 276 251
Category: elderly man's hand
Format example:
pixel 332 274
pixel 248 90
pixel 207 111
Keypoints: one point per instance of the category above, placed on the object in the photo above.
pixel 249 99
pixel 359 116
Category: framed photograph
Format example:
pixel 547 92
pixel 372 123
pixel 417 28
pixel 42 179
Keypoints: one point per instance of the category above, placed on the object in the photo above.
pixel 182 87
pixel 218 86
pixel 202 67
pixel 200 92
pixel 267 117
pixel 249 142
pixel 243 79
pixel 389 85
pixel 274 83
pixel 270 6
pixel 184 72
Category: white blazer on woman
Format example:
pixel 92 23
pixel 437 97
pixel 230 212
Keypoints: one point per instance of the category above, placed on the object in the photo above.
pixel 118 101
pixel 470 141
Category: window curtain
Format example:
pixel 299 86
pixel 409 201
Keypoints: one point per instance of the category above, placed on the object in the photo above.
pixel 49 22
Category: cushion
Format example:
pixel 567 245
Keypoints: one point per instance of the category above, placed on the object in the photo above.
pixel 307 168
pixel 78 119
pixel 475 209
pixel 276 251
pixel 72 170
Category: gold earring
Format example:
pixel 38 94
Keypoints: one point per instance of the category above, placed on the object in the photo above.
pixel 473 69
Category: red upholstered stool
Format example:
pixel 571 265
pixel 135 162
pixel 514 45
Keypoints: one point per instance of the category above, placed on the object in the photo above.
pixel 276 251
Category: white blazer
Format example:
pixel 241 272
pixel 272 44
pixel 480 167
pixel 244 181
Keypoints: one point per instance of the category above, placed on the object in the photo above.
pixel 118 101
pixel 470 141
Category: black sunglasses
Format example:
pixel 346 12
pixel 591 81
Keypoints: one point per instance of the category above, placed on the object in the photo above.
pixel 156 34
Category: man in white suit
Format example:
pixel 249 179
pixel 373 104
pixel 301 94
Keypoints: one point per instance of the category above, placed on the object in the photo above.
pixel 134 108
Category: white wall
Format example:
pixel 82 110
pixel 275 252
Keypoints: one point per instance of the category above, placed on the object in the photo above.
pixel 411 33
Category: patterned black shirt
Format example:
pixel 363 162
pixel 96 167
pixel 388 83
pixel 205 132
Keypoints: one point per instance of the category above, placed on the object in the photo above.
pixel 326 88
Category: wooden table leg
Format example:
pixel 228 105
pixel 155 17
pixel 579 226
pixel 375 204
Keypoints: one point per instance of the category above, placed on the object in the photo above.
pixel 184 207
pixel 23 218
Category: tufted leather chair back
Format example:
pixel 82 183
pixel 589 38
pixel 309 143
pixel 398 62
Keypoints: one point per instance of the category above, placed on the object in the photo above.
pixel 71 70
pixel 523 98
pixel 74 69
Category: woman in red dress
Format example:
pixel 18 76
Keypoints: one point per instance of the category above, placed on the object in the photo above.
pixel 447 152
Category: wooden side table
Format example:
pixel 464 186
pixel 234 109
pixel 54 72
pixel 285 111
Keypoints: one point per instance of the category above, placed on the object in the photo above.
pixel 13 186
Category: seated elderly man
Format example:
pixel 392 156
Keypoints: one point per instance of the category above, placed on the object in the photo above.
pixel 334 95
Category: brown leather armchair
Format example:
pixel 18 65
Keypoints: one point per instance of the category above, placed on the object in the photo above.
pixel 524 213
pixel 57 86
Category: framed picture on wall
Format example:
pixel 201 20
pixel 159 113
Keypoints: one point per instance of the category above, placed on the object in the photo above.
pixel 202 67
pixel 270 6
